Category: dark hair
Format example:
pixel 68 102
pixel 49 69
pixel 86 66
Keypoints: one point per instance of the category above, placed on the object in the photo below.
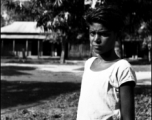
pixel 110 16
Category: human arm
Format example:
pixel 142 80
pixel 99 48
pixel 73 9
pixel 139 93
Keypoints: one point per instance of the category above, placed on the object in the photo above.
pixel 127 101
pixel 124 78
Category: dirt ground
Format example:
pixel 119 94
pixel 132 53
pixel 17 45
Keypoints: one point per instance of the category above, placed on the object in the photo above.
pixel 23 73
pixel 26 86
pixel 23 86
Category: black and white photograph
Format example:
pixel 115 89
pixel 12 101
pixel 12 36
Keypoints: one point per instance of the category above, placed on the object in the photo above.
pixel 76 59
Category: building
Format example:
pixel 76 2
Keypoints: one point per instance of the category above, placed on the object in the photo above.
pixel 25 39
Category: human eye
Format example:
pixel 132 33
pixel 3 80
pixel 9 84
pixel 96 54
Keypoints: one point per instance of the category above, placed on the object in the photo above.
pixel 92 33
pixel 105 34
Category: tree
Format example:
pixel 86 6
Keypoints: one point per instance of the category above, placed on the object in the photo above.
pixel 10 8
pixel 145 34
pixel 138 20
pixel 64 18
pixel 2 21
pixel 18 10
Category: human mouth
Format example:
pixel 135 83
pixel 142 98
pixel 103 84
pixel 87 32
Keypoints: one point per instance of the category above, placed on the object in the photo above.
pixel 96 47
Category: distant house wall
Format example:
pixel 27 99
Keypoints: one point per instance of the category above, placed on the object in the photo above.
pixel 14 47
pixel 130 49
pixel 7 48
pixel 30 48
pixel 25 48
pixel 79 51
pixel 133 49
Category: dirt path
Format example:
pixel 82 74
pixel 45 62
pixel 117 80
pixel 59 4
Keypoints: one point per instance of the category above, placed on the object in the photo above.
pixel 50 73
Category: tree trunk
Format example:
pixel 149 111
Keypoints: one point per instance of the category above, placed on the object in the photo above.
pixel 149 55
pixel 66 50
pixel 63 48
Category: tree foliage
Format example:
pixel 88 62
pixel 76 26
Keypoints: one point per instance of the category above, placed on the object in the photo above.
pixel 2 21
pixel 63 13
pixel 64 16
pixel 62 20
pixel 136 12
pixel 21 11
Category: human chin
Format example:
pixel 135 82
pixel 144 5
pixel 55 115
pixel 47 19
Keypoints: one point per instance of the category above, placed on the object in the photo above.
pixel 97 51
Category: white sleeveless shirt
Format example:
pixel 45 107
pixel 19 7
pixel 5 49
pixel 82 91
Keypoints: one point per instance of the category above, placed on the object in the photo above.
pixel 99 97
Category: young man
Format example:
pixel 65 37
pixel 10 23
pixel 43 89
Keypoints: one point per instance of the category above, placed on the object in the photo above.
pixel 107 90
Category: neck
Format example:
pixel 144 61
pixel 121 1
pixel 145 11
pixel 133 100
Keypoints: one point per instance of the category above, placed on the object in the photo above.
pixel 108 56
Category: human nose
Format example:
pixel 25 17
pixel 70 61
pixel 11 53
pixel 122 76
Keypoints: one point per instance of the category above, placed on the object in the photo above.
pixel 97 38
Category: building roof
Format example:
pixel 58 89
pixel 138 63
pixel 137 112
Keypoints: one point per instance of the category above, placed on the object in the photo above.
pixel 21 27
pixel 22 30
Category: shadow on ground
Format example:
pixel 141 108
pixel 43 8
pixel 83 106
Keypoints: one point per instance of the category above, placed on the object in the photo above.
pixel 24 93
pixel 31 61
pixel 21 93
pixel 15 70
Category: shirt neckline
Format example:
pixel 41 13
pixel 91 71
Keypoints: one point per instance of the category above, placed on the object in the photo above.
pixel 103 69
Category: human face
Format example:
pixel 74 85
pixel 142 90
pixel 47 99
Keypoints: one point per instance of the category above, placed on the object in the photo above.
pixel 102 40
